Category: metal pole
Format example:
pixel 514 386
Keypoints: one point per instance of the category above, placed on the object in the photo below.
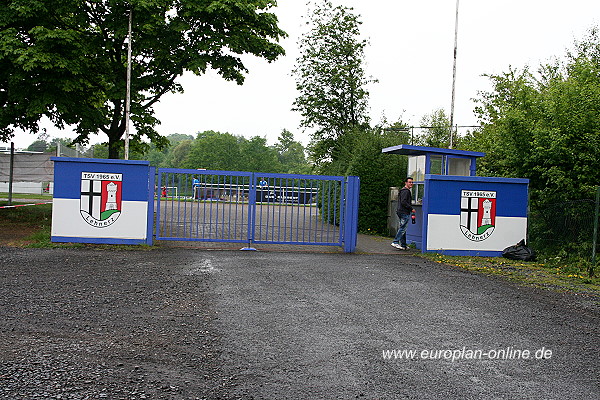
pixel 11 172
pixel 454 75
pixel 595 239
pixel 128 96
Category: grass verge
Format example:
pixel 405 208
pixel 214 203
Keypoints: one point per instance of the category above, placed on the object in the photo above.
pixel 547 274
pixel 4 196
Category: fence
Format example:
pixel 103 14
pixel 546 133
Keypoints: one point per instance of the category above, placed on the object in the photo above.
pixel 77 151
pixel 569 228
pixel 30 172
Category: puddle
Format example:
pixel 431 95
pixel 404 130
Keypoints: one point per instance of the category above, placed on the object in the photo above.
pixel 201 267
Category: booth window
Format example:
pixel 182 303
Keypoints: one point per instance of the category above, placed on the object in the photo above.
pixel 416 170
pixel 437 166
pixel 459 166
pixel 417 193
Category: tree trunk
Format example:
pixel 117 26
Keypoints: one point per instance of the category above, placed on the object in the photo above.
pixel 113 149
pixel 115 143
pixel 115 130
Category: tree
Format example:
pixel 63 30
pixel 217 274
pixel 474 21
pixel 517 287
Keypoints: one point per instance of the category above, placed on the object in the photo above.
pixel 291 154
pixel 256 156
pixel 158 157
pixel 437 130
pixel 214 150
pixel 99 151
pixel 66 59
pixel 284 141
pixel 330 78
pixel 176 138
pixel 178 154
pixel 38 145
pixel 224 151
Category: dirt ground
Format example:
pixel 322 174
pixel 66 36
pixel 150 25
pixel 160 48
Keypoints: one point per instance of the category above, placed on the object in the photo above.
pixel 18 223
pixel 15 235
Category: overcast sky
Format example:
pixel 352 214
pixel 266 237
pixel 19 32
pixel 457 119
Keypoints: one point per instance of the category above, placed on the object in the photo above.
pixel 410 54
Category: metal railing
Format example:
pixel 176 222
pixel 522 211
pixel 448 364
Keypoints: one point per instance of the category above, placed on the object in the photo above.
pixel 569 229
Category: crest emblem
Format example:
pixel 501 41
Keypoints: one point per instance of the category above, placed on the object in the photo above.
pixel 477 214
pixel 100 201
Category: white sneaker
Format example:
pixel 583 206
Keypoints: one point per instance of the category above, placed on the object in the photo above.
pixel 396 245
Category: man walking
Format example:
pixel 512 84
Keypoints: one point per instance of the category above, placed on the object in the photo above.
pixel 403 210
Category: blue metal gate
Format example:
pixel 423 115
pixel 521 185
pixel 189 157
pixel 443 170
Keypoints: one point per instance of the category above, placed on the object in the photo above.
pixel 246 207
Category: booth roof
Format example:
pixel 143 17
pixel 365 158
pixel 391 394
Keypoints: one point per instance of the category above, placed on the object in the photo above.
pixel 410 150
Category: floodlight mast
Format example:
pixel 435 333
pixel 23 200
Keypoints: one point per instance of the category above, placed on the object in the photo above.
pixel 128 95
pixel 454 75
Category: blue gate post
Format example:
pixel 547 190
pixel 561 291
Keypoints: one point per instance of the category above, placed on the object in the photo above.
pixel 152 190
pixel 158 193
pixel 351 213
pixel 251 212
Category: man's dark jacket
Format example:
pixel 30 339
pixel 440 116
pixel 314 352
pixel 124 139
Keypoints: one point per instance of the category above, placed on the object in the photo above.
pixel 404 201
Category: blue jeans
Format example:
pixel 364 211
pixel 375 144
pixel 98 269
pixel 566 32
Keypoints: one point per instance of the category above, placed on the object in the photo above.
pixel 401 235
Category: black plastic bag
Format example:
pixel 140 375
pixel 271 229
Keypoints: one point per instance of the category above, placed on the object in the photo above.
pixel 519 252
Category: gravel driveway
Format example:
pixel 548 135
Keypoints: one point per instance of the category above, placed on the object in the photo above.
pixel 189 324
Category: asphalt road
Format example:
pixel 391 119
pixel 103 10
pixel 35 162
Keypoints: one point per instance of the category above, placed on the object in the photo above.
pixel 187 324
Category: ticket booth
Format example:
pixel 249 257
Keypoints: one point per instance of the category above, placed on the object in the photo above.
pixel 457 212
